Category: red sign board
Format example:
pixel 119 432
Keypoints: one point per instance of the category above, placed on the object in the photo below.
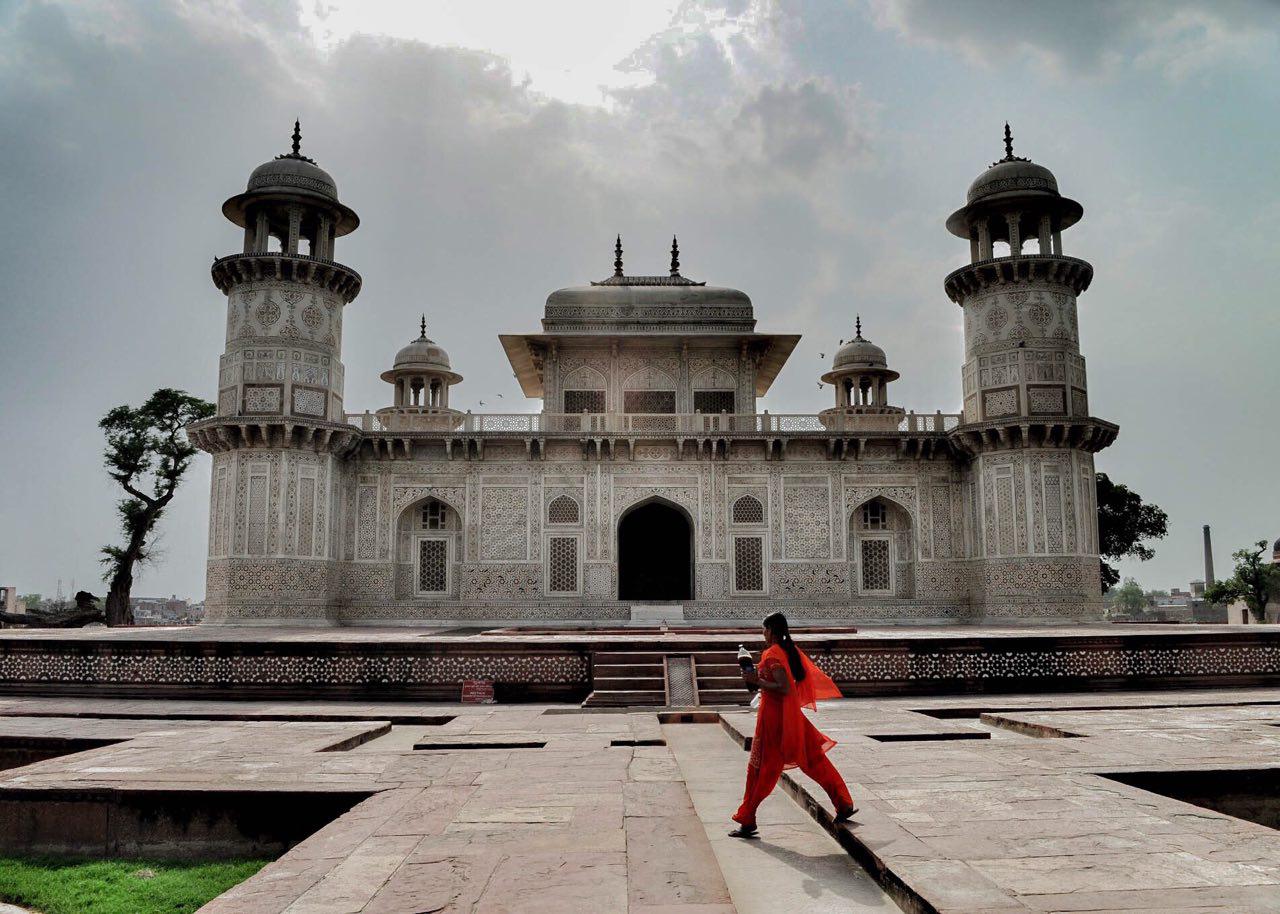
pixel 477 691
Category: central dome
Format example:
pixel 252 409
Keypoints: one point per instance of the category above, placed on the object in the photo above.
pixel 662 304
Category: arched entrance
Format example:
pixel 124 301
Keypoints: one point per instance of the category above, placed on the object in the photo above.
pixel 655 553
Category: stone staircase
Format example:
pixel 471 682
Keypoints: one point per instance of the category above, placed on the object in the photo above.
pixel 645 677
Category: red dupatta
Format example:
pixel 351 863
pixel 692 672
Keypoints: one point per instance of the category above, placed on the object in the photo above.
pixel 799 742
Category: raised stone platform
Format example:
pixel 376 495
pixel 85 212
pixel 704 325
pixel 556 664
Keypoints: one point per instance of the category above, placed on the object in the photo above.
pixel 558 664
pixel 1142 803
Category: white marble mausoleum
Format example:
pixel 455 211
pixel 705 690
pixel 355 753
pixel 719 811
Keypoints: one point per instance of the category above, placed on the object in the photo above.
pixel 650 476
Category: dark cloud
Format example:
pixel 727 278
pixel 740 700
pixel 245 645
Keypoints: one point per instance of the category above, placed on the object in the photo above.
pixel 124 126
pixel 1089 37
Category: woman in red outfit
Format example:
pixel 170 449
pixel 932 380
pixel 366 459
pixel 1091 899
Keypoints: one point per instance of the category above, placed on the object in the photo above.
pixel 784 737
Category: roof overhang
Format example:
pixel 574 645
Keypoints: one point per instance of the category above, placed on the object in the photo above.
pixel 773 350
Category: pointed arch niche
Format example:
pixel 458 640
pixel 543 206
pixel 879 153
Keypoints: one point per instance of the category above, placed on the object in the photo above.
pixel 428 549
pixel 881 549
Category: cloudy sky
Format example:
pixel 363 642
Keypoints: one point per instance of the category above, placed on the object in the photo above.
pixel 806 151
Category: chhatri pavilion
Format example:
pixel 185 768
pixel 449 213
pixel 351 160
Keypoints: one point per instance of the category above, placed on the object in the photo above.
pixel 650 479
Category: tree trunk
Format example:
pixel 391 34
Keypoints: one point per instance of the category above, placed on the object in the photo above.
pixel 118 610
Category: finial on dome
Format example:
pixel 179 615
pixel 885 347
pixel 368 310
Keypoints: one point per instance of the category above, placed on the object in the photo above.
pixel 296 151
pixel 857 327
pixel 423 325
pixel 617 257
pixel 675 256
pixel 1008 148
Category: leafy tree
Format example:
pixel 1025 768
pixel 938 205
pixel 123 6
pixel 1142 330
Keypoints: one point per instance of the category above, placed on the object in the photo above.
pixel 1255 582
pixel 1130 598
pixel 147 449
pixel 31 600
pixel 1124 521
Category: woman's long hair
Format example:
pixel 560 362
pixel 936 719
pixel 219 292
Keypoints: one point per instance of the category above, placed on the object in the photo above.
pixel 777 624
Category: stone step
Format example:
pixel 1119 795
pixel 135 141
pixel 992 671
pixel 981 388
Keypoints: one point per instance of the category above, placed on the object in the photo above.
pixel 723 696
pixel 617 670
pixel 629 683
pixel 628 656
pixel 720 682
pixel 625 698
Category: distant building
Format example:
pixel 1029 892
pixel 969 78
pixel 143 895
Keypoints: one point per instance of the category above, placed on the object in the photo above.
pixel 165 611
pixel 9 601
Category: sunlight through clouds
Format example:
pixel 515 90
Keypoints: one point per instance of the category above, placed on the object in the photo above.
pixel 566 49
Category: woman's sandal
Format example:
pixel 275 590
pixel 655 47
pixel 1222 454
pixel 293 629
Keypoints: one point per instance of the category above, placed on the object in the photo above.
pixel 742 831
pixel 845 815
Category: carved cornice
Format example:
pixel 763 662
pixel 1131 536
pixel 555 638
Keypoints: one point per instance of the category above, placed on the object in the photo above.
pixel 1089 434
pixel 1053 268
pixel 230 271
pixel 227 433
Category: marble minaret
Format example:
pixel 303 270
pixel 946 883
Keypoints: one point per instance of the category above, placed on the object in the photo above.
pixel 1026 424
pixel 279 434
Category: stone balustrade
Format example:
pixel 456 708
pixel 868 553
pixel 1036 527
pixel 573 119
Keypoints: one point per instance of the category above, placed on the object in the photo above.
pixel 720 424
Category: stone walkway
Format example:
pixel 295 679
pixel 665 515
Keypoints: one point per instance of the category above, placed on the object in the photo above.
pixel 795 865
pixel 1025 811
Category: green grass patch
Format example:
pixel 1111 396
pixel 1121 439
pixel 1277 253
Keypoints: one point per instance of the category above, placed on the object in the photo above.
pixel 63 886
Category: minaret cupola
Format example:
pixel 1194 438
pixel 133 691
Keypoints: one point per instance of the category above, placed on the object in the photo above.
pixel 293 202
pixel 1013 202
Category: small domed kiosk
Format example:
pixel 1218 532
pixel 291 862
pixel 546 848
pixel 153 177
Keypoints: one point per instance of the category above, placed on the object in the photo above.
pixel 860 374
pixel 421 376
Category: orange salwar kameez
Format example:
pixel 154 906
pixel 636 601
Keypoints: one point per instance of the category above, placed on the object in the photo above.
pixel 786 738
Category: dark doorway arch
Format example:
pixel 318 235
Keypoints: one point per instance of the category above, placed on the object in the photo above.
pixel 655 553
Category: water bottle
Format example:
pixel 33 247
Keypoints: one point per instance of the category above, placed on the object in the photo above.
pixel 746 663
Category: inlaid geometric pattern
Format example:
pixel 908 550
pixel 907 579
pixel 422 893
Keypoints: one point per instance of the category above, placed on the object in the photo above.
pixel 433 566
pixel 649 401
pixel 748 564
pixel 713 401
pixel 1000 403
pixel 1046 400
pixel 504 524
pixel 748 510
pixel 262 399
pixel 308 402
pixel 875 565
pixel 807 524
pixel 563 510
pixel 578 401
pixel 562 564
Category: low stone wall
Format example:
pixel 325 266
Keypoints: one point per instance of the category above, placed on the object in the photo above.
pixel 542 667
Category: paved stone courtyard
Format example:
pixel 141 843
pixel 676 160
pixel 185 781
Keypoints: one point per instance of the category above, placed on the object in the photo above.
pixel 1018 809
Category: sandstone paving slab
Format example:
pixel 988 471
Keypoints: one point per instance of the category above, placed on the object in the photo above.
pixel 1247 899
pixel 1117 871
pixel 670 861
pixel 794 866
pixel 537 883
pixel 348 887
pixel 436 883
